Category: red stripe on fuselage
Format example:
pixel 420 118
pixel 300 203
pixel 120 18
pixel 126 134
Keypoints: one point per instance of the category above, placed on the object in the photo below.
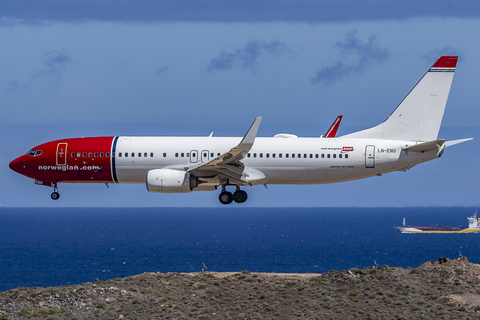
pixel 69 160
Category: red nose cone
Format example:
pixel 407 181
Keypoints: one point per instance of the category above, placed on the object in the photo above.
pixel 17 165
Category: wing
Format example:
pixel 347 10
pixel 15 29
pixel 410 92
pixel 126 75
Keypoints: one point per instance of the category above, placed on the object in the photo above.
pixel 229 164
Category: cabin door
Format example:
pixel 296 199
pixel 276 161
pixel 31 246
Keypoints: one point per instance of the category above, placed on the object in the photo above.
pixel 370 157
pixel 61 154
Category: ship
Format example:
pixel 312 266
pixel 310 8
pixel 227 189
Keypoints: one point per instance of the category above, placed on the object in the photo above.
pixel 473 226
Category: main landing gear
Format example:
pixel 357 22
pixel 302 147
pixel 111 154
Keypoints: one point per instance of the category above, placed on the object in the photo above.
pixel 226 197
pixel 55 195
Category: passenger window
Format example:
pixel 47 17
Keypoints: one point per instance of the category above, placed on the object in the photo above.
pixel 183 154
pixel 151 154
pixel 101 154
pixel 119 154
pixel 79 154
pixel 248 155
pixel 194 154
pixel 254 155
pixel 299 155
pixel 340 156
pixel 108 154
pixel 293 155
pixel 176 155
pixel 96 154
pixel 311 155
pixel 211 155
pixel 273 155
pixel 304 155
pixel 73 154
pixel 286 155
pixel 164 155
pixel 140 154
pixel 334 155
pixel 84 154
pixel 346 156
pixel 268 155
pixel 279 155
pixel 126 154
pixel 218 154
pixel 261 155
pixel 316 155
pixel 328 155
pixel 323 155
pixel 90 154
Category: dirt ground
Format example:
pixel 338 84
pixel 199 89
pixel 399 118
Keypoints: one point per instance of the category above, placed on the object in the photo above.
pixel 449 290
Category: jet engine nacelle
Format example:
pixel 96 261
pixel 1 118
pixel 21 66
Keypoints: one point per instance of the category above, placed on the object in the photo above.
pixel 170 181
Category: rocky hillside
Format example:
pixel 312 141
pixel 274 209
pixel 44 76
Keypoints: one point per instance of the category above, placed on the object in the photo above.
pixel 432 291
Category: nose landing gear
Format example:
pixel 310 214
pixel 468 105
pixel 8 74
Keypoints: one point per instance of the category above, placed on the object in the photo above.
pixel 227 197
pixel 55 195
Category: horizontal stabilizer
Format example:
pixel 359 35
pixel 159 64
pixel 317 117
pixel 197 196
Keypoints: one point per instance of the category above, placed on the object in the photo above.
pixel 426 146
pixel 454 142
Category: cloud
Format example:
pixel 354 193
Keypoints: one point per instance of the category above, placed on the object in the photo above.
pixel 232 10
pixel 161 70
pixel 54 68
pixel 12 87
pixel 362 54
pixel 248 56
pixel 55 63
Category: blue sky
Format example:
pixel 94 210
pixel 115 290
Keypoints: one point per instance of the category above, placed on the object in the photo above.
pixel 89 68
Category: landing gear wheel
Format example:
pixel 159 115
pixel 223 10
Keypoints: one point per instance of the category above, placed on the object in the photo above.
pixel 240 196
pixel 225 197
pixel 55 195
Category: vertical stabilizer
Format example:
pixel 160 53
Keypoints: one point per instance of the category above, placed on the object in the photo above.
pixel 419 115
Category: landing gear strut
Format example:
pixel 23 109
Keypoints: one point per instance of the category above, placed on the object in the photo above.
pixel 227 197
pixel 55 195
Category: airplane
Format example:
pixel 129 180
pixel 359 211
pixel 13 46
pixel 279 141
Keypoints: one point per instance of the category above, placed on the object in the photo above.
pixel 408 137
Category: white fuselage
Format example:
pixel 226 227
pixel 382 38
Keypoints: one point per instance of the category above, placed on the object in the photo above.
pixel 281 160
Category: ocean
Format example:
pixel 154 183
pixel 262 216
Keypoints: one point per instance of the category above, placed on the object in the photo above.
pixel 61 246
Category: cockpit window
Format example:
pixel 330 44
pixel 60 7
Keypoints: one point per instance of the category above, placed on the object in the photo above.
pixel 34 152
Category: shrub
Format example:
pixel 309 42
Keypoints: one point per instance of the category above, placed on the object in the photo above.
pixel 353 293
pixel 25 311
pixel 101 305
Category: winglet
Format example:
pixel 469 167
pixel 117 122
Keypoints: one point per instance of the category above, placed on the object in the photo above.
pixel 333 129
pixel 249 138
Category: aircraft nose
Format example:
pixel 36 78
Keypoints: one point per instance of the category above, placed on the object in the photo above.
pixel 17 165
